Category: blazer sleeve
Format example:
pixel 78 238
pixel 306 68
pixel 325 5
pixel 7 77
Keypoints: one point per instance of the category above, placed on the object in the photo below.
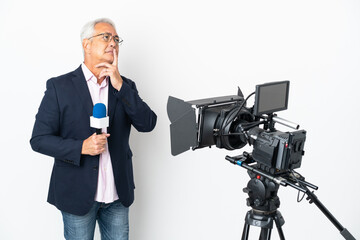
pixel 142 117
pixel 46 137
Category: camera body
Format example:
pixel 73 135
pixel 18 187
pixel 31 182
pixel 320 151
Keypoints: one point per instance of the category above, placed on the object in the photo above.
pixel 278 151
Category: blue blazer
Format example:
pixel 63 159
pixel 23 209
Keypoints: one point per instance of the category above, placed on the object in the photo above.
pixel 63 123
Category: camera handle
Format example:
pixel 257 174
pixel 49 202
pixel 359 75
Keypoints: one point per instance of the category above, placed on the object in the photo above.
pixel 289 179
pixel 312 198
pixel 272 118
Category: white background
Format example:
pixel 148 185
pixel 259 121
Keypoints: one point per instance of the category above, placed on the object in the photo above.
pixel 190 49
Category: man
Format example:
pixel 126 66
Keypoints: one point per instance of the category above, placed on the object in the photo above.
pixel 92 177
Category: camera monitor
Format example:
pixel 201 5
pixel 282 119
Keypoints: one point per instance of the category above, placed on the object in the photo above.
pixel 271 97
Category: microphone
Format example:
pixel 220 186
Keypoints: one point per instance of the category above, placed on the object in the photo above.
pixel 99 119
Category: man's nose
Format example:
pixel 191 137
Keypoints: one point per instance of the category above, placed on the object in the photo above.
pixel 112 42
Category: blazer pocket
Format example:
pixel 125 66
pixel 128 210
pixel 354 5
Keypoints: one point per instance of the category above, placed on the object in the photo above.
pixel 64 163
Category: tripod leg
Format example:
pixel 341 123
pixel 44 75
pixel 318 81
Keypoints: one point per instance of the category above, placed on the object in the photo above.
pixel 245 233
pixel 265 234
pixel 280 231
pixel 279 221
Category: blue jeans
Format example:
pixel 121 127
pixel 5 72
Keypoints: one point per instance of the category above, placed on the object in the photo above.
pixel 113 220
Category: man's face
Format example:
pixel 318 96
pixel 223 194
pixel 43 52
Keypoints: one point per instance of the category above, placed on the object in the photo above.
pixel 97 49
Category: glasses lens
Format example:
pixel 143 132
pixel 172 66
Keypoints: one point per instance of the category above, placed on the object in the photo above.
pixel 106 37
pixel 118 40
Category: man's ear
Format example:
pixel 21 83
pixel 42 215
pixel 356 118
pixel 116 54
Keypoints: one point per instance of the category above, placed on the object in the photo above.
pixel 86 45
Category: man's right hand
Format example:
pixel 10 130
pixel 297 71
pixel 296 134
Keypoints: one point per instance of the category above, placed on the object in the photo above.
pixel 95 144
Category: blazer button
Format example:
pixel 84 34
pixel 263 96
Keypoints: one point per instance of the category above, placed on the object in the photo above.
pixel 96 168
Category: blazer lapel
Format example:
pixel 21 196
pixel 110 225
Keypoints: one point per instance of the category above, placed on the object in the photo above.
pixel 111 102
pixel 83 90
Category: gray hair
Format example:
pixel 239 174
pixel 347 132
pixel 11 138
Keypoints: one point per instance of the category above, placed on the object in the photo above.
pixel 89 28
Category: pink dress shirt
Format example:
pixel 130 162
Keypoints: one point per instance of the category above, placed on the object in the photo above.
pixel 106 190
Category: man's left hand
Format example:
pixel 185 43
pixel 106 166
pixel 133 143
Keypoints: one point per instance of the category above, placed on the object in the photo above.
pixel 112 71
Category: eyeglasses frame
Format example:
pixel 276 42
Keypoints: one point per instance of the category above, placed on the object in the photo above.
pixel 120 40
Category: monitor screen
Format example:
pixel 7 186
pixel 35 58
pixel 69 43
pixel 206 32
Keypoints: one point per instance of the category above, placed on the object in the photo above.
pixel 271 97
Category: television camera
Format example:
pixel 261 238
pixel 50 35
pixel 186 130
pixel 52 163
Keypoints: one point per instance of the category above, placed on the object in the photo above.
pixel 228 123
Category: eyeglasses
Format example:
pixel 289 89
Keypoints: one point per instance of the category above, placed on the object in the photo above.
pixel 107 37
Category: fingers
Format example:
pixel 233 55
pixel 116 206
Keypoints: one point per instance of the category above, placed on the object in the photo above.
pixel 104 73
pixel 99 141
pixel 100 138
pixel 108 69
pixel 95 144
pixel 115 62
pixel 103 64
pixel 111 70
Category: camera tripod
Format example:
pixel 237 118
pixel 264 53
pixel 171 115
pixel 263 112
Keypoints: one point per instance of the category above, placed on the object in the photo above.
pixel 262 191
